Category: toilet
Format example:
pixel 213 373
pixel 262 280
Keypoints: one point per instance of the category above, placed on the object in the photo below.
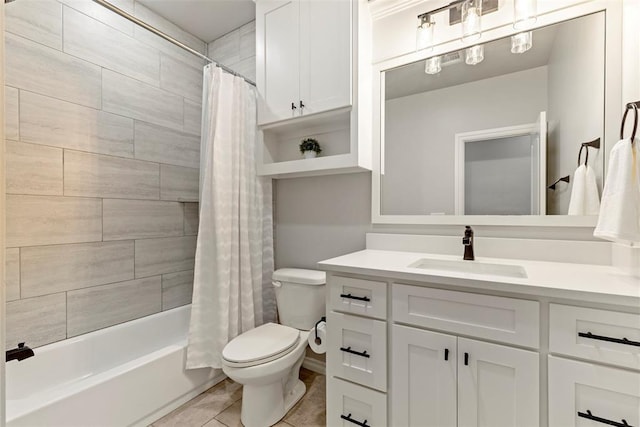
pixel 266 360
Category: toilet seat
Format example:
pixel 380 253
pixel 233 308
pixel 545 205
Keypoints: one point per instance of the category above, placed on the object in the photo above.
pixel 260 345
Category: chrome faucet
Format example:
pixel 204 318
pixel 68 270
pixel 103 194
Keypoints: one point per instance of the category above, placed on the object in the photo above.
pixel 467 241
pixel 20 353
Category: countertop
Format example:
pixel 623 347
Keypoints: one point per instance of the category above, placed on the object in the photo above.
pixel 592 283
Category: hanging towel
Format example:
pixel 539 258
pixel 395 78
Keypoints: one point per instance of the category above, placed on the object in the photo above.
pixel 584 192
pixel 619 219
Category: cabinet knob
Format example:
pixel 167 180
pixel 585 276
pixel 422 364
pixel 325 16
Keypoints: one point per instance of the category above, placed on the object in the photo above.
pixel 446 354
pixel 293 106
pixel 466 359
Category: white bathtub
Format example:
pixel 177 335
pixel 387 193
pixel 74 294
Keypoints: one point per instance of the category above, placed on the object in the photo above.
pixel 129 374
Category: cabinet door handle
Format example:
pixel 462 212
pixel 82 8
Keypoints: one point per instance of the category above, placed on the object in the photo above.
pixel 349 296
pixel 293 106
pixel 446 354
pixel 357 353
pixel 301 105
pixel 356 422
pixel 588 415
pixel 466 359
pixel 609 339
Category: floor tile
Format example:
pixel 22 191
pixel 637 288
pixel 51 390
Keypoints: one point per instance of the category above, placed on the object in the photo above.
pixel 204 407
pixel 310 410
pixel 231 416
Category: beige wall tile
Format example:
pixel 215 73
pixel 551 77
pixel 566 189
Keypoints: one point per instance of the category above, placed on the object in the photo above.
pixel 40 69
pixel 49 121
pixel 12 277
pixel 166 255
pixel 181 78
pixel 191 217
pixel 50 269
pixel 100 44
pixel 177 289
pixel 248 40
pixel 226 49
pixel 192 117
pixel 44 220
pixel 36 20
pixel 103 14
pixel 246 67
pixel 137 219
pixel 95 175
pixel 158 144
pixel 33 169
pixel 179 183
pixel 11 117
pixel 131 98
pixel 102 306
pixel 36 321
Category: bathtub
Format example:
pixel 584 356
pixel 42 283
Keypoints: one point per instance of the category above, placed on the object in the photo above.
pixel 126 375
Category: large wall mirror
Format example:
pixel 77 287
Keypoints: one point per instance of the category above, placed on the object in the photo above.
pixel 491 138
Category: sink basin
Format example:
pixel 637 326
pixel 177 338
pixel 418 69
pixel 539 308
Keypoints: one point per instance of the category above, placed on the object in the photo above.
pixel 475 267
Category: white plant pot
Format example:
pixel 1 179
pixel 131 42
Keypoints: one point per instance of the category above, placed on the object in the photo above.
pixel 310 154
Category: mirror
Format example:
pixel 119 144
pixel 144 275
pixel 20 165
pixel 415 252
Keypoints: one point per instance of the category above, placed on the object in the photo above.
pixel 490 138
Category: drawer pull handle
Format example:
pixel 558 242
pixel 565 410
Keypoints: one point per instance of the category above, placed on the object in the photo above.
pixel 588 415
pixel 609 339
pixel 349 296
pixel 356 422
pixel 357 353
pixel 446 354
pixel 466 359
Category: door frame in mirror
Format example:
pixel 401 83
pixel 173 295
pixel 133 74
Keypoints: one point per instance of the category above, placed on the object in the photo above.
pixel 613 109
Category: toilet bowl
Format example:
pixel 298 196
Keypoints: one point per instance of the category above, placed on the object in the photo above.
pixel 266 360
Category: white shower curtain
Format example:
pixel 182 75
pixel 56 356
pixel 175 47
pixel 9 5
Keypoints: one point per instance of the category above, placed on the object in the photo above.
pixel 232 290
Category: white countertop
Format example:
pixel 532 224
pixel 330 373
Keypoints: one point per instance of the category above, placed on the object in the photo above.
pixel 593 283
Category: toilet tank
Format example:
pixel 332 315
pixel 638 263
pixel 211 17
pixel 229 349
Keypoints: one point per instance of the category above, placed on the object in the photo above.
pixel 300 296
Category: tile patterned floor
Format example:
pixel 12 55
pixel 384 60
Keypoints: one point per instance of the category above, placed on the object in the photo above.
pixel 220 407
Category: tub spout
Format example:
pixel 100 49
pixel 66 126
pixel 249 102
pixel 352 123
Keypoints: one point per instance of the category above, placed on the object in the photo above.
pixel 20 353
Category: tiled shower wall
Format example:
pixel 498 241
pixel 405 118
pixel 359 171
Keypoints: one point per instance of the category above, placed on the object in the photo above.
pixel 237 50
pixel 102 128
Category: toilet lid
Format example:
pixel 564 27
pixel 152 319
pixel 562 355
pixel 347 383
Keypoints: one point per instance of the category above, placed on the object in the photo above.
pixel 261 343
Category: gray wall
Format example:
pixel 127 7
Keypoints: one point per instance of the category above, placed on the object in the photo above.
pixel 420 135
pixel 102 128
pixel 576 102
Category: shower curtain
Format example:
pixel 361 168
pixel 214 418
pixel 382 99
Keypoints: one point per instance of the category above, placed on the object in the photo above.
pixel 232 290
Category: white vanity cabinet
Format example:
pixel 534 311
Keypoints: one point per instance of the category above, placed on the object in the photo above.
pixel 441 379
pixel 303 57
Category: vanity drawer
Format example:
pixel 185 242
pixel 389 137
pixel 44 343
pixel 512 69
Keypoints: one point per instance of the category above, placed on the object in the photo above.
pixel 609 394
pixel 357 349
pixel 569 329
pixel 507 320
pixel 358 296
pixel 348 402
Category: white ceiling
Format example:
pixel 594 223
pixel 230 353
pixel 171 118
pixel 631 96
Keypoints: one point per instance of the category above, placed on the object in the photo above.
pixel 205 19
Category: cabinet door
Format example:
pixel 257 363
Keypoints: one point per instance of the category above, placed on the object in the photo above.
pixel 325 54
pixel 497 385
pixel 588 395
pixel 423 373
pixel 277 59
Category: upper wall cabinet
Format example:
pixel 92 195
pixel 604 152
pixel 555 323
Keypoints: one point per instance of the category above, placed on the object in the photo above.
pixel 303 57
pixel 313 61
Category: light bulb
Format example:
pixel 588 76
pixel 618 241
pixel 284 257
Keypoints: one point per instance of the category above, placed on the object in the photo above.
pixel 424 33
pixel 474 54
pixel 433 65
pixel 525 14
pixel 471 20
pixel 521 42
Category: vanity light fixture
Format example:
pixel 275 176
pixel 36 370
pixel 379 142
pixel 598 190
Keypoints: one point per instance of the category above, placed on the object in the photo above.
pixel 424 39
pixel 521 42
pixel 433 65
pixel 471 20
pixel 474 54
pixel 525 14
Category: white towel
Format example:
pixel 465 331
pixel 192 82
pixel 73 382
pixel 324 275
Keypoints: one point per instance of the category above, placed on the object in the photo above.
pixel 584 192
pixel 619 219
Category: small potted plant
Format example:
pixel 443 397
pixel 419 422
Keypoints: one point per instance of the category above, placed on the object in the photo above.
pixel 310 148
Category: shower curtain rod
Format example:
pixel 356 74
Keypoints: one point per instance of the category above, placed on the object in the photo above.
pixel 167 37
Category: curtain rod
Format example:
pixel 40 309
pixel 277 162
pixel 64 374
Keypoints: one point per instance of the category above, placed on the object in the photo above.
pixel 167 37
